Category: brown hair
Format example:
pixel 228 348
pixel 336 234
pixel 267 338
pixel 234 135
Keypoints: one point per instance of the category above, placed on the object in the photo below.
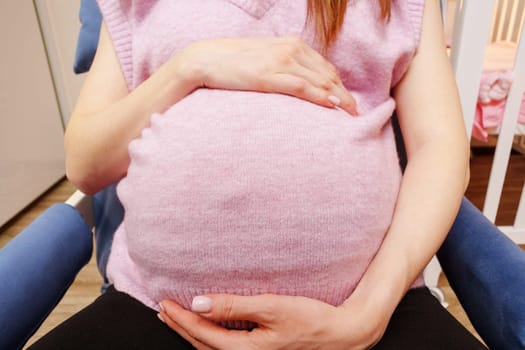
pixel 328 17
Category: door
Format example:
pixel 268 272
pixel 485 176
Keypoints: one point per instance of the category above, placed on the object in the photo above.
pixel 31 132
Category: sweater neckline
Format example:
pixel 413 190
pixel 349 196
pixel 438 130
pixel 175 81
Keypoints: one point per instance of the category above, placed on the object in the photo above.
pixel 255 8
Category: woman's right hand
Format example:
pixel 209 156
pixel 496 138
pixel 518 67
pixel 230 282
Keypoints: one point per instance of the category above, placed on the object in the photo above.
pixel 285 65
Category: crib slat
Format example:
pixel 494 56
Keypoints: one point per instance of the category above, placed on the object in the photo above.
pixel 502 13
pixel 519 222
pixel 522 20
pixel 520 215
pixel 471 30
pixel 495 21
pixel 512 22
pixel 506 135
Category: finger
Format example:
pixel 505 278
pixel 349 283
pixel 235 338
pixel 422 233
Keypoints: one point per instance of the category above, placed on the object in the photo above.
pixel 347 101
pixel 316 79
pixel 316 86
pixel 203 330
pixel 315 61
pixel 301 88
pixel 182 332
pixel 310 58
pixel 260 309
pixel 300 59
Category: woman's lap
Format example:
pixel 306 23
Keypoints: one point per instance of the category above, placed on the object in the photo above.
pixel 117 321
pixel 113 321
pixel 420 322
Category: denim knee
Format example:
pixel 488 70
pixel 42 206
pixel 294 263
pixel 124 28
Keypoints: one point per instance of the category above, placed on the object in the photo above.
pixel 487 272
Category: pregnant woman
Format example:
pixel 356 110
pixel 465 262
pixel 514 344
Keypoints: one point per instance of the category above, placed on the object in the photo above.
pixel 264 203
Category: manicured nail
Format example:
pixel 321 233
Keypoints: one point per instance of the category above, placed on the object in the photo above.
pixel 161 307
pixel 335 100
pixel 161 318
pixel 201 304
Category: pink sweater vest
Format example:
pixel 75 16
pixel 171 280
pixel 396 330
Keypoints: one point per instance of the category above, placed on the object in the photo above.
pixel 246 192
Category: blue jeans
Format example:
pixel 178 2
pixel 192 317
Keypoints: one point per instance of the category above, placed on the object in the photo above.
pixel 486 270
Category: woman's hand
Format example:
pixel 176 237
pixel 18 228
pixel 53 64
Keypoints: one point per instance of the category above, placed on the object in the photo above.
pixel 284 322
pixel 285 65
pixel 107 109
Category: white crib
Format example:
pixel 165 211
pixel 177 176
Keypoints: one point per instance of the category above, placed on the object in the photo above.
pixel 478 23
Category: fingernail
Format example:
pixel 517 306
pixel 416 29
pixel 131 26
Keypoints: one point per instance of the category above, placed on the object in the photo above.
pixel 334 99
pixel 161 318
pixel 161 307
pixel 201 304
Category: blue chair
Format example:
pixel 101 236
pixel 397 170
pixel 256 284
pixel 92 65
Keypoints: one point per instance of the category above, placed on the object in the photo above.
pixel 36 269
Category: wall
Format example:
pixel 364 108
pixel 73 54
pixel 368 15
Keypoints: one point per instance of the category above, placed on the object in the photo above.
pixel 31 134
pixel 60 26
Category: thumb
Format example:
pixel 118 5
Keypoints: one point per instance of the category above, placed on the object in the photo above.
pixel 260 309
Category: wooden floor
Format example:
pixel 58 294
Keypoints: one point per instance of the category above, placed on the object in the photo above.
pixel 86 286
pixel 480 165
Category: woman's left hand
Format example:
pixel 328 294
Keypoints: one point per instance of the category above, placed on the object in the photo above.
pixel 284 322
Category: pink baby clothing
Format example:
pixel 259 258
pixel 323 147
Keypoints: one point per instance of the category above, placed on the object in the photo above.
pixel 245 192
pixel 492 101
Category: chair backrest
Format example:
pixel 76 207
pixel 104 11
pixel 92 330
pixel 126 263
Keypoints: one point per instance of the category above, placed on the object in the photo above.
pixel 478 22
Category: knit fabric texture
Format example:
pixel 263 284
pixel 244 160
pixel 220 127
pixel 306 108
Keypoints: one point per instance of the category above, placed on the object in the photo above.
pixel 245 192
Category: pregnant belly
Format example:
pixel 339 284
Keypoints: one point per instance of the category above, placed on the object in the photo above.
pixel 249 193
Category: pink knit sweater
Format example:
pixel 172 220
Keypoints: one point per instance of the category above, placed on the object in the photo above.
pixel 247 192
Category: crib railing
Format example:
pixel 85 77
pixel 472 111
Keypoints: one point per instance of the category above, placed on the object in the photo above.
pixel 507 25
pixel 504 147
pixel 474 27
pixel 509 16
